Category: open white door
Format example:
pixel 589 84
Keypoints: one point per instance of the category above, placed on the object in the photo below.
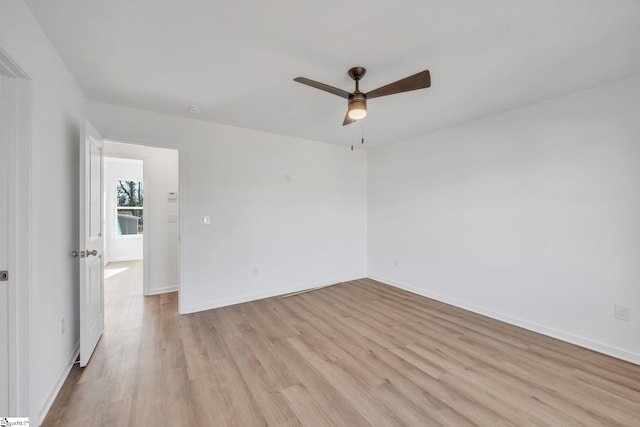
pixel 91 242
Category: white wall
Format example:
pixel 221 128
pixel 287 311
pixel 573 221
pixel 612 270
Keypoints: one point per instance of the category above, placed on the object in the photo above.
pixel 531 216
pixel 286 213
pixel 117 247
pixel 58 110
pixel 161 266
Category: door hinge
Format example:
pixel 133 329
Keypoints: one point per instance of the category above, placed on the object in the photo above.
pixel 4 276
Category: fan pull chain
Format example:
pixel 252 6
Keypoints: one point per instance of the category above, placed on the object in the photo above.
pixel 353 136
pixel 362 134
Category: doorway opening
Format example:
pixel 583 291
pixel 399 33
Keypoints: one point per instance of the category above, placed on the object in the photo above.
pixel 141 227
pixel 123 224
pixel 124 237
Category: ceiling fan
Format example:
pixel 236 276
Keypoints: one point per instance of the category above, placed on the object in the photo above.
pixel 357 107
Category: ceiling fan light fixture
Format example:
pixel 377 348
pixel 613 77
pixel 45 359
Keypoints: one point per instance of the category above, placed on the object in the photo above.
pixel 357 107
pixel 357 101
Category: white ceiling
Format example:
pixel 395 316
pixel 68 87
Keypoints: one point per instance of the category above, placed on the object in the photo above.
pixel 236 59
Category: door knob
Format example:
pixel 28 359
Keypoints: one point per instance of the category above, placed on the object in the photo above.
pixel 82 254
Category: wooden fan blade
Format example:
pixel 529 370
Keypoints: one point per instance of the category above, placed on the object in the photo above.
pixel 420 80
pixel 334 90
pixel 347 120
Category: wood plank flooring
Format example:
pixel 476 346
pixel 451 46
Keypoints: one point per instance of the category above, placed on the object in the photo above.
pixel 356 354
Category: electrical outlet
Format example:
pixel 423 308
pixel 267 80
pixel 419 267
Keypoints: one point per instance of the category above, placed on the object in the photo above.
pixel 621 312
pixel 396 262
pixel 256 271
pixel 62 326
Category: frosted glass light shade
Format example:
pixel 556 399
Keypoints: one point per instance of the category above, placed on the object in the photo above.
pixel 357 107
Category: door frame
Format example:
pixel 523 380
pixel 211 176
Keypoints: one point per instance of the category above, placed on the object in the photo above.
pixel 20 239
pixel 181 195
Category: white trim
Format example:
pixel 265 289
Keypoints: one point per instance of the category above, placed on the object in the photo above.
pixel 8 121
pixel 21 196
pixel 146 234
pixel 182 195
pixel 163 290
pixel 56 389
pixel 578 340
pixel 224 302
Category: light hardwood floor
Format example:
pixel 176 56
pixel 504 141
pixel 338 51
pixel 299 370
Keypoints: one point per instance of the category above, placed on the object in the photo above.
pixel 355 354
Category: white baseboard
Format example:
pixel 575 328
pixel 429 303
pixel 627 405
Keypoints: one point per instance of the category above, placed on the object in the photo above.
pixel 588 343
pixel 122 259
pixel 42 414
pixel 162 290
pixel 224 302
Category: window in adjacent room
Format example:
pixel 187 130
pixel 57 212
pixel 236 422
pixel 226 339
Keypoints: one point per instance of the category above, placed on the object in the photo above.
pixel 129 207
